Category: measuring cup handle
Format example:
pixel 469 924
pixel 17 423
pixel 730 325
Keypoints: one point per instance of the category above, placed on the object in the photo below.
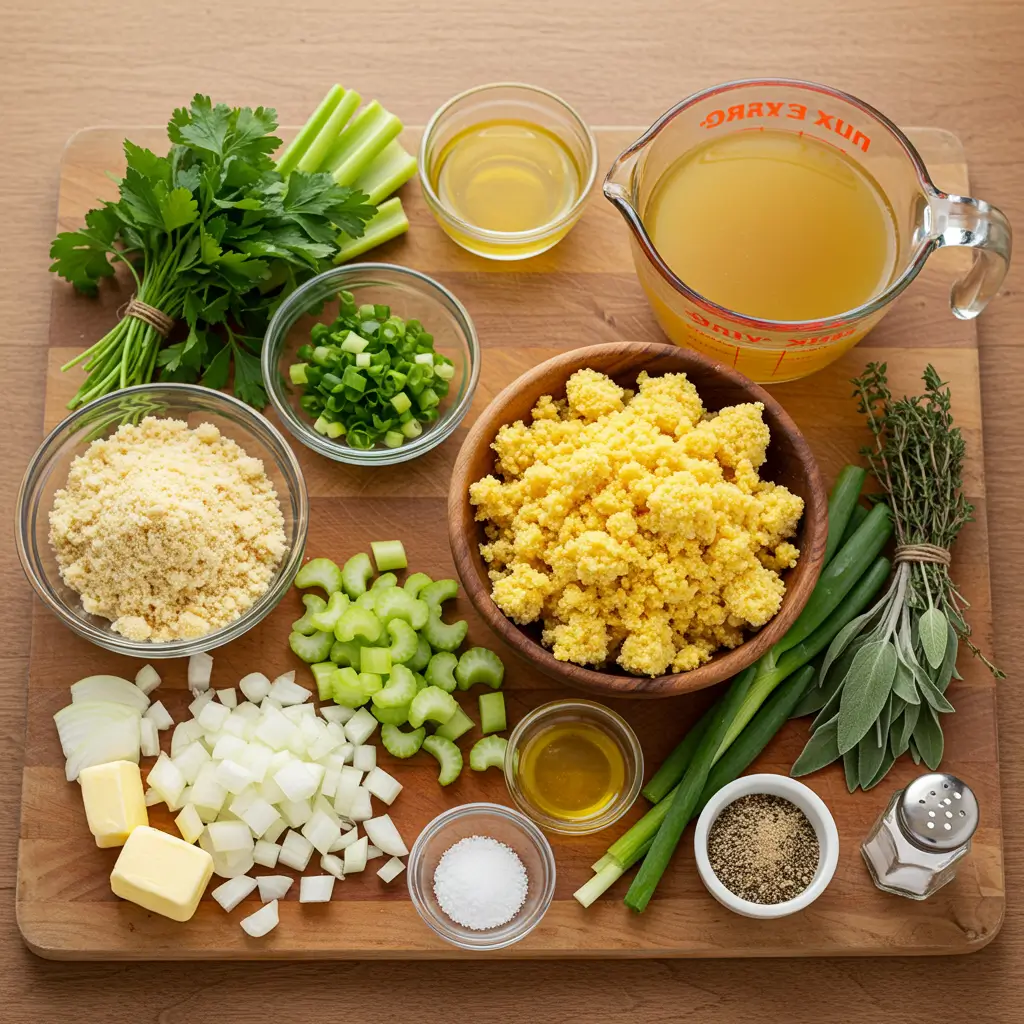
pixel 973 224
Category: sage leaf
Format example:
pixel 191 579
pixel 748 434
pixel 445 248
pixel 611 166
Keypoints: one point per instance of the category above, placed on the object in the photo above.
pixel 914 752
pixel 928 738
pixel 850 768
pixel 843 639
pixel 896 734
pixel 933 633
pixel 866 691
pixel 836 683
pixel 870 754
pixel 948 668
pixel 932 695
pixel 903 684
pixel 910 716
pixel 883 769
pixel 821 749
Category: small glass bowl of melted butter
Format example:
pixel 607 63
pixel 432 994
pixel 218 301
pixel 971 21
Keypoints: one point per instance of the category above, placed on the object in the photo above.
pixel 573 766
pixel 506 169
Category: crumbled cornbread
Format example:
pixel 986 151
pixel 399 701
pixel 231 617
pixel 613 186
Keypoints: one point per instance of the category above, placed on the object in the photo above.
pixel 168 532
pixel 635 526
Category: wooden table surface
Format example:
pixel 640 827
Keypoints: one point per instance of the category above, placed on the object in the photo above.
pixel 66 65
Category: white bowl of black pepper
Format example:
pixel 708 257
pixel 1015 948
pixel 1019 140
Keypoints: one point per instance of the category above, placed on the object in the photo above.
pixel 766 846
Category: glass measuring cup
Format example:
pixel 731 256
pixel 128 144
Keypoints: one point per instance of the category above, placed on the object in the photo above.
pixel 925 219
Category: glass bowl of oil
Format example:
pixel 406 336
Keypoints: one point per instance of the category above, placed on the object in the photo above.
pixel 506 169
pixel 573 766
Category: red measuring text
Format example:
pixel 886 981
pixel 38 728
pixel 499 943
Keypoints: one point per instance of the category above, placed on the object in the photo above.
pixel 789 112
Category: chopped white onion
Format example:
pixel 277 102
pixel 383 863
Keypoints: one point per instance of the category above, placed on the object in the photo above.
pixel 295 812
pixel 361 807
pixel 207 793
pixel 159 715
pixel 346 839
pixel 213 716
pixel 383 833
pixel 316 888
pixel 255 686
pixel 360 727
pixel 184 734
pixel 147 679
pixel 190 825
pixel 274 729
pixel 364 757
pixel 109 688
pixel 286 691
pixel 200 668
pixel 228 697
pixel 229 836
pixel 115 741
pixel 372 852
pixel 256 760
pixel 230 748
pixel 383 786
pixel 295 851
pixel 274 887
pixel 391 870
pixel 230 893
pixel 264 920
pixel 190 761
pixel 152 798
pixel 259 816
pixel 149 738
pixel 337 714
pixel 333 865
pixel 266 853
pixel 345 792
pixel 167 779
pixel 325 807
pixel 275 832
pixel 297 780
pixel 321 831
pixel 200 702
pixel 355 856
pixel 79 721
pixel 329 785
pixel 232 776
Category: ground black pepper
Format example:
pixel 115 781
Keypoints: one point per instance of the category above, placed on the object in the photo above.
pixel 763 849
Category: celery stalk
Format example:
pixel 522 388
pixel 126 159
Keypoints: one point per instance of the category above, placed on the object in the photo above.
pixel 388 172
pixel 360 143
pixel 316 153
pixel 390 222
pixel 310 130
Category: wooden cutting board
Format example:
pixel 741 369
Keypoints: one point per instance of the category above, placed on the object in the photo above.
pixel 583 291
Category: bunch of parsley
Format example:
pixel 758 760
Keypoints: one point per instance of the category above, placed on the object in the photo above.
pixel 212 235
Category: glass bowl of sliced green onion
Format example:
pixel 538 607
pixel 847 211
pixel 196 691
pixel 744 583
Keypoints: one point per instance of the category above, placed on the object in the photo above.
pixel 371 363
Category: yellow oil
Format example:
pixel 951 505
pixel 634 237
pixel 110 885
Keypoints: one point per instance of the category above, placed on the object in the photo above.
pixel 774 225
pixel 506 176
pixel 572 771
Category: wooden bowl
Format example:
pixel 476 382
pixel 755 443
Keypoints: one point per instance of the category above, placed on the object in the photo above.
pixel 789 462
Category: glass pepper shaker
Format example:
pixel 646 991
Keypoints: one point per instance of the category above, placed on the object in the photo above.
pixel 914 846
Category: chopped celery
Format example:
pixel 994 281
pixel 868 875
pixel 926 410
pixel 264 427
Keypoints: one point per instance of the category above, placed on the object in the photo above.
pixel 319 572
pixel 415 583
pixel 346 688
pixel 431 704
pixel 419 661
pixel 346 652
pixel 396 603
pixel 322 672
pixel 440 670
pixel 404 641
pixel 296 150
pixel 385 580
pixel 318 151
pixel 327 619
pixel 311 648
pixel 438 592
pixel 479 665
pixel 389 222
pixel 401 689
pixel 375 659
pixel 356 573
pixel 421 683
pixel 488 752
pixel 314 604
pixel 388 172
pixel 444 636
pixel 492 712
pixel 297 373
pixel 356 621
pixel 402 744
pixel 449 757
pixel 367 601
pixel 389 554
pixel 458 725
pixel 358 145
pixel 371 683
pixel 391 716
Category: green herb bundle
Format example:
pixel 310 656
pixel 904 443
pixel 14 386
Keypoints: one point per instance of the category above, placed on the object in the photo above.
pixel 881 686
pixel 212 234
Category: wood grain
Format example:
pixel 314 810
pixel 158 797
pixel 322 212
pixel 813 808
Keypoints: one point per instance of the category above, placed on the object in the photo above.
pixel 68 65
pixel 64 906
pixel 790 463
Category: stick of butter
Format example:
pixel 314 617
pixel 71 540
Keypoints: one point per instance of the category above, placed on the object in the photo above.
pixel 114 801
pixel 162 873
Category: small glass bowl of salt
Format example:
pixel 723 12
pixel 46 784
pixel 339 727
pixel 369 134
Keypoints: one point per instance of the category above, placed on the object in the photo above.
pixel 481 876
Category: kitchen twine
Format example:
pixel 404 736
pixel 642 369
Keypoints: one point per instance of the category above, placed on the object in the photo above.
pixel 931 553
pixel 157 319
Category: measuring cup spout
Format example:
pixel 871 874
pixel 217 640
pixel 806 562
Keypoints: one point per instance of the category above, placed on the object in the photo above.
pixel 619 187
pixel 973 224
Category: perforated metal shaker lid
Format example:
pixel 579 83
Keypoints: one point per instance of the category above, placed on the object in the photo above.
pixel 938 812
